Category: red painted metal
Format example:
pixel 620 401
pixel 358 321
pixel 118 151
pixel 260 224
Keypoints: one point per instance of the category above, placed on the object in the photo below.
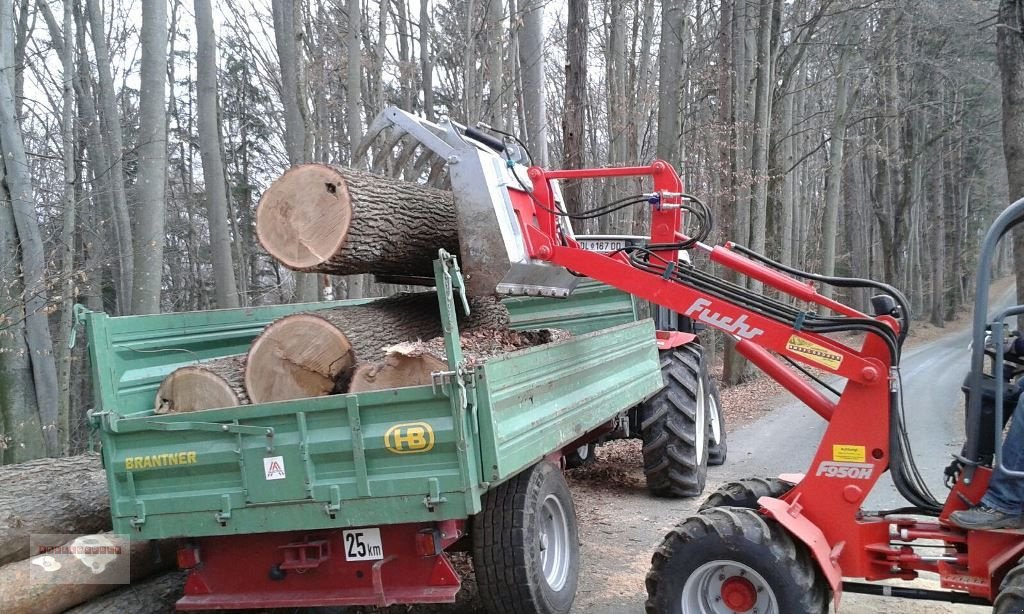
pixel 669 339
pixel 739 594
pixel 789 380
pixel 307 569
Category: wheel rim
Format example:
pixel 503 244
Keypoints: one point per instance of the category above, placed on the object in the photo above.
pixel 716 420
pixel 721 587
pixel 583 452
pixel 555 553
pixel 701 419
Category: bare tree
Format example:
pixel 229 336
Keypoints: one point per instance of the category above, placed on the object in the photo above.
pixel 1010 56
pixel 149 221
pixel 574 114
pixel 531 61
pixel 213 163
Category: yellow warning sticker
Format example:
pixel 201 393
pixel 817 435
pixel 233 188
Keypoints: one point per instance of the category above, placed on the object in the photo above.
pixel 814 352
pixel 852 454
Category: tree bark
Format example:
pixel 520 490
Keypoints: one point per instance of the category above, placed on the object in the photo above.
pixel 225 290
pixel 324 219
pixel 52 583
pixel 670 66
pixel 1010 56
pixel 426 60
pixel 207 385
pixel 32 257
pixel 60 495
pixel 154 595
pixel 574 115
pixel 114 174
pixel 149 222
pixel 311 354
pixel 412 363
pixel 531 62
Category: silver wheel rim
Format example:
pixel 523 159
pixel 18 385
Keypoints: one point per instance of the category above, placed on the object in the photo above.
pixel 583 452
pixel 702 592
pixel 554 542
pixel 716 421
pixel 701 419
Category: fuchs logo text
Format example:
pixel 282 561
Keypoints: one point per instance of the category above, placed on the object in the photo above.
pixel 737 326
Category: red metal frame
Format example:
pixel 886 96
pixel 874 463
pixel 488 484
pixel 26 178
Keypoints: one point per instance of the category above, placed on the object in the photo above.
pixel 823 509
pixel 308 568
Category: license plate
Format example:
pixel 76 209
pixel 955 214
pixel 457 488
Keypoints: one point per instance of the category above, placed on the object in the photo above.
pixel 363 545
pixel 601 245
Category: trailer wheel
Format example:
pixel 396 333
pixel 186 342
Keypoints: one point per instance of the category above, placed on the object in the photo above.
pixel 1010 599
pixel 582 456
pixel 745 493
pixel 673 425
pixel 726 560
pixel 718 449
pixel 526 550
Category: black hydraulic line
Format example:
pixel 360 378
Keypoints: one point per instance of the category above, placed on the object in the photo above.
pixel 884 590
pixel 799 367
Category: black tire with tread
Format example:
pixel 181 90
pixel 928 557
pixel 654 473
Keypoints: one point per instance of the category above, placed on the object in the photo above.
pixel 506 545
pixel 668 427
pixel 718 451
pixel 744 536
pixel 1010 599
pixel 745 493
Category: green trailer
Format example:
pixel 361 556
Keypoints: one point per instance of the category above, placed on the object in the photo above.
pixel 357 498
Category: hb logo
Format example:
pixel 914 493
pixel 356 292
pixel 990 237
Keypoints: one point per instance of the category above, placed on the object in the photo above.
pixel 409 438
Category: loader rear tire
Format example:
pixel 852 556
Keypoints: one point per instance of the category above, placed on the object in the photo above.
pixel 745 493
pixel 729 559
pixel 1010 599
pixel 526 549
pixel 674 427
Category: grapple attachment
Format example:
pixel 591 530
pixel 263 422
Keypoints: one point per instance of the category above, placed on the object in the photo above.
pixel 480 170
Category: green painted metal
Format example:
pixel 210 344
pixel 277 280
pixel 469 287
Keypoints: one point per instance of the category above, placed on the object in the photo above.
pixel 592 306
pixel 416 454
pixel 537 400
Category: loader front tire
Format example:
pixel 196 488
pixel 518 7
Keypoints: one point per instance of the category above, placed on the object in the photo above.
pixel 745 493
pixel 729 559
pixel 674 426
pixel 526 550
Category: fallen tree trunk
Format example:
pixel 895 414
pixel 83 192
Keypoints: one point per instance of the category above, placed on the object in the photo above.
pixel 207 385
pixel 326 219
pixel 51 495
pixel 154 595
pixel 77 571
pixel 312 353
pixel 412 363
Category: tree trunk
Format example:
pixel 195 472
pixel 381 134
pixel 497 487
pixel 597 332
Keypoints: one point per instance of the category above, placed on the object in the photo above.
pixel 311 354
pixel 149 221
pixel 154 595
pixel 426 60
pixel 574 114
pixel 207 385
pixel 213 164
pixel 411 363
pixel 114 174
pixel 32 258
pixel 531 61
pixel 1010 56
pixel 670 65
pixel 324 219
pixel 53 582
pixel 60 495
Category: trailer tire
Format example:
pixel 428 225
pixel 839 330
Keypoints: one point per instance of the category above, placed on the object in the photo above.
pixel 582 456
pixel 526 550
pixel 718 448
pixel 745 493
pixel 1010 599
pixel 673 426
pixel 736 558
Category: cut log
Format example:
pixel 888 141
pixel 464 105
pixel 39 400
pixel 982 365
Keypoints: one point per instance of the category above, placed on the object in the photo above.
pixel 83 568
pixel 51 495
pixel 326 219
pixel 311 354
pixel 411 363
pixel 207 385
pixel 154 595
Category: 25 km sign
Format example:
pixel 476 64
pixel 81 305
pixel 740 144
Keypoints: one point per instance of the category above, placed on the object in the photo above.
pixel 363 545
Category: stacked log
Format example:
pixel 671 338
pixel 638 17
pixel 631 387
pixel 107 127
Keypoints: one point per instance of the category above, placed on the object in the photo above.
pixel 413 363
pixel 312 353
pixel 340 221
pixel 207 385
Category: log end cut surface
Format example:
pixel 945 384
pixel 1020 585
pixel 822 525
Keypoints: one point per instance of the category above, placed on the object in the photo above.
pixel 397 370
pixel 194 389
pixel 296 357
pixel 304 216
